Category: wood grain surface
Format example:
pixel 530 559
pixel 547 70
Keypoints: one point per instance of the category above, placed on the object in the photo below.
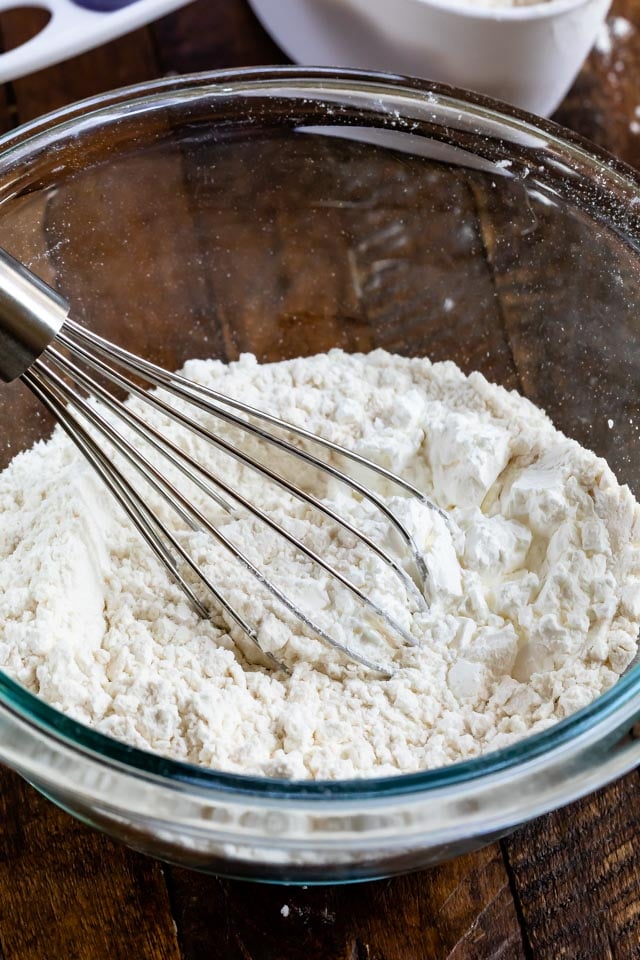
pixel 565 886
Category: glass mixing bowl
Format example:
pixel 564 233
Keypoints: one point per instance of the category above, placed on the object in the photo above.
pixel 286 212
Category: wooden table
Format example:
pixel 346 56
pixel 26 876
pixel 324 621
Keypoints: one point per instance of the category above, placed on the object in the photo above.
pixel 566 886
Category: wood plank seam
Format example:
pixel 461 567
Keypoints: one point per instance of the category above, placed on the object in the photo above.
pixel 526 943
pixel 482 236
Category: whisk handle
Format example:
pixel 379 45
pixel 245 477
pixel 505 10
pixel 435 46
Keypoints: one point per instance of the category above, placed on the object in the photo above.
pixel 31 314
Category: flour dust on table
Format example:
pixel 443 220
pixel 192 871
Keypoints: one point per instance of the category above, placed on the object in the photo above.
pixel 533 583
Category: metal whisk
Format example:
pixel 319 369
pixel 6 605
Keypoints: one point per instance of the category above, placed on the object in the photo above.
pixel 35 324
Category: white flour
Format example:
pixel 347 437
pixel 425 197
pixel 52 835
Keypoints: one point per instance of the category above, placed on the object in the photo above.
pixel 534 584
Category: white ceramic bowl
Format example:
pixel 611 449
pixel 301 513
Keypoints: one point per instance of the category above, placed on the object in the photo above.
pixel 528 56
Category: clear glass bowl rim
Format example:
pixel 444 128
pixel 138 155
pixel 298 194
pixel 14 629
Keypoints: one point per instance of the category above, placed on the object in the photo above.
pixel 622 699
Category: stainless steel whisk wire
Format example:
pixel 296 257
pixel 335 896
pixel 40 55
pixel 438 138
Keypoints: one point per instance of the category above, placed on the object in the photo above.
pixel 34 321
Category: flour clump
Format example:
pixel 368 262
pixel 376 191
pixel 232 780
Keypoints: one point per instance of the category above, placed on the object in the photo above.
pixel 533 582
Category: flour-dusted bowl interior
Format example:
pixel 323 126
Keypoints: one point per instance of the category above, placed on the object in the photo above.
pixel 286 212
